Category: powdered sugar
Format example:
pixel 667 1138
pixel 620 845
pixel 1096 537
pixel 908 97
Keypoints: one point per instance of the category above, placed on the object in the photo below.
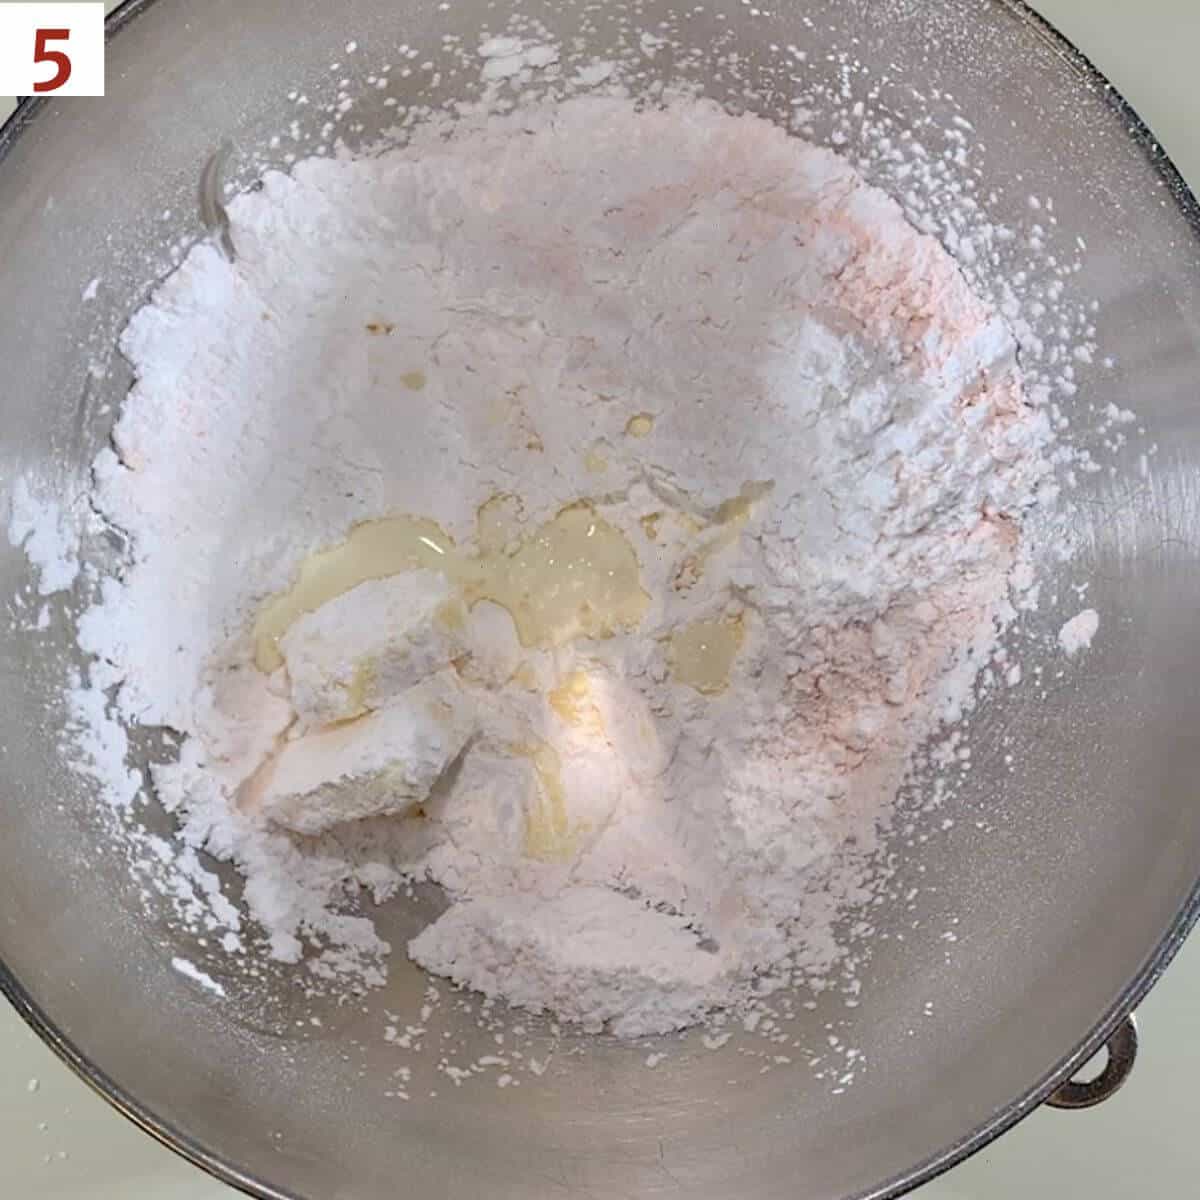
pixel 190 971
pixel 41 530
pixel 1077 633
pixel 835 458
pixel 588 954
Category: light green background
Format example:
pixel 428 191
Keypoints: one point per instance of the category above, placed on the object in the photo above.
pixel 59 1142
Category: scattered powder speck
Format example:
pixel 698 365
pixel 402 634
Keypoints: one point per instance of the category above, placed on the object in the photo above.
pixel 38 524
pixel 1076 634
pixel 193 972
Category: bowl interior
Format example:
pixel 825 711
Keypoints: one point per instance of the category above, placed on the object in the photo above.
pixel 1075 847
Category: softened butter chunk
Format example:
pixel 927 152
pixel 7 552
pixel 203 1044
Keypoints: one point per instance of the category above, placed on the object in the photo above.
pixel 369 645
pixel 385 764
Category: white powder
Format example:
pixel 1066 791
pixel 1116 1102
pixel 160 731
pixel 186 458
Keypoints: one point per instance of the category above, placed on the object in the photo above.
pixel 833 455
pixel 41 529
pixel 193 972
pixel 1077 633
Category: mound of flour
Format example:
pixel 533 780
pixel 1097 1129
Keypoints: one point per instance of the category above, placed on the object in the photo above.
pixel 744 362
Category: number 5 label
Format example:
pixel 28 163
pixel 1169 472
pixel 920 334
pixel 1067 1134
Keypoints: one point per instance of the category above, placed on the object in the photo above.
pixel 52 49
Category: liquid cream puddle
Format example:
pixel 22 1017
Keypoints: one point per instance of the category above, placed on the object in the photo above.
pixel 575 576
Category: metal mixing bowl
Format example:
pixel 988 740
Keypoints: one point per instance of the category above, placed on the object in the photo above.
pixel 1068 906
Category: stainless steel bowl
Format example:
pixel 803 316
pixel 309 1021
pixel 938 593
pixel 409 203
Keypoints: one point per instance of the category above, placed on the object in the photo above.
pixel 1068 907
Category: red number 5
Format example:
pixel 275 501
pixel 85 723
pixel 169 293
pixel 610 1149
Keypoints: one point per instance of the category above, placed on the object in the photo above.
pixel 57 57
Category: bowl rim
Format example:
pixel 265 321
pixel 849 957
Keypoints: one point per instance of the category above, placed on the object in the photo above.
pixel 1151 971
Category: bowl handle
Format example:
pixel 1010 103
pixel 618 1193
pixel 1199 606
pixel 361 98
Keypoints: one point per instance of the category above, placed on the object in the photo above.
pixel 1122 1051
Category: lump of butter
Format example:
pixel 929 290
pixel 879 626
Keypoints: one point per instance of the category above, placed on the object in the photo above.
pixel 384 764
pixel 354 654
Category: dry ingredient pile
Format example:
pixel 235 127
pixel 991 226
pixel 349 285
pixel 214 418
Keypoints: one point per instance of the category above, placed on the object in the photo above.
pixel 591 512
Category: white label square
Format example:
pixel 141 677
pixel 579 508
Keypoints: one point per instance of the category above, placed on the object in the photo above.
pixel 52 49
